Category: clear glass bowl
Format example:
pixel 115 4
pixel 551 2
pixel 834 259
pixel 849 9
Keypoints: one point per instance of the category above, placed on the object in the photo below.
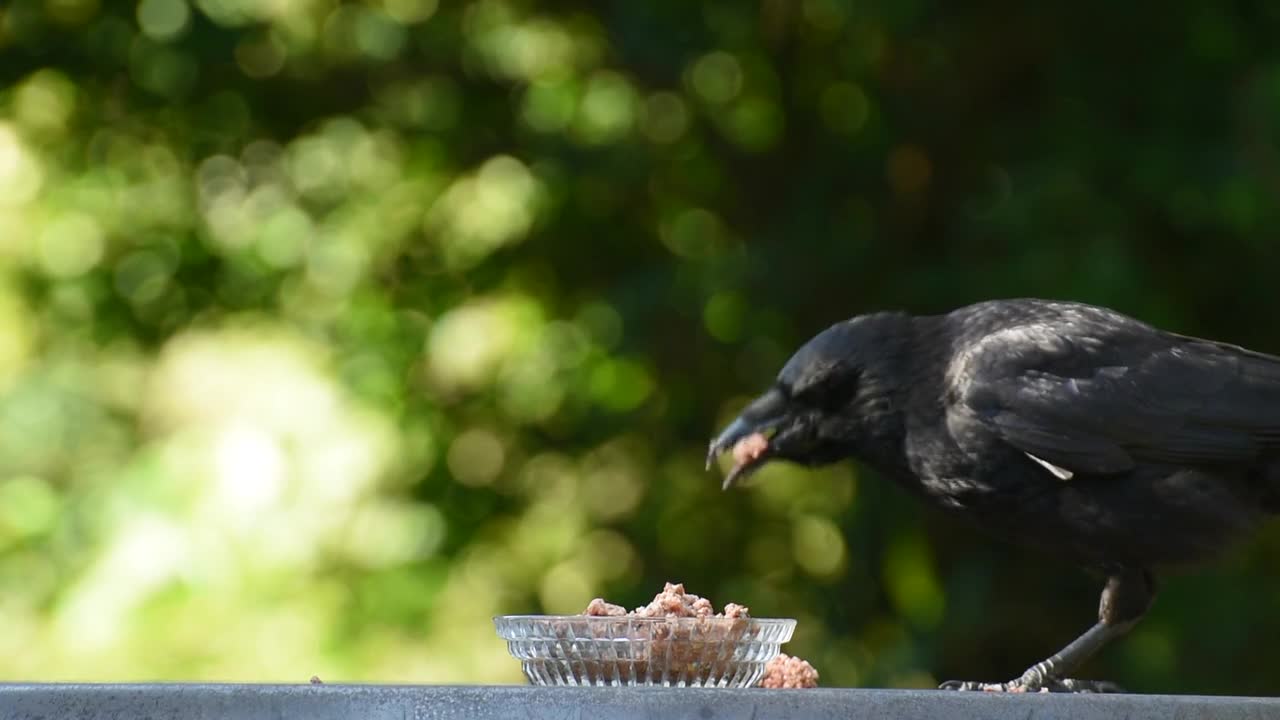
pixel 615 651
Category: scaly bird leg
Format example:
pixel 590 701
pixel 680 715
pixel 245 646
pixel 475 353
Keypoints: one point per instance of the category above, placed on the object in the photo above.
pixel 1124 601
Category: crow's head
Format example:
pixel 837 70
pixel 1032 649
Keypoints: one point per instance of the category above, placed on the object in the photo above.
pixel 831 397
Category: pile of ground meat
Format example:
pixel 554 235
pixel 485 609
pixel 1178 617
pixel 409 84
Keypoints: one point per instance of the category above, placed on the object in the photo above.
pixel 672 602
pixel 786 672
pixel 677 643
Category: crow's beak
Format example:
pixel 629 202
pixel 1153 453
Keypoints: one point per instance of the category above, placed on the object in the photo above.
pixel 762 417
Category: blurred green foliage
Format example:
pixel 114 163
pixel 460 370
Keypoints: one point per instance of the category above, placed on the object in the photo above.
pixel 332 329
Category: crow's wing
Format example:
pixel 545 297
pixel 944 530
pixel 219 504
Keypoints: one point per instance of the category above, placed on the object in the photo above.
pixel 1102 405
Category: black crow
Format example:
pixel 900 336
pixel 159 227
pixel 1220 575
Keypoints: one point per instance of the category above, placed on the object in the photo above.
pixel 1064 427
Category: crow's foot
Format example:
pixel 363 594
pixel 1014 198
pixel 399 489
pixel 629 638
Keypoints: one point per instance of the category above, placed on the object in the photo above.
pixel 1032 684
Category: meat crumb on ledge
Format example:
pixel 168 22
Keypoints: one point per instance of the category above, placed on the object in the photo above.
pixel 785 672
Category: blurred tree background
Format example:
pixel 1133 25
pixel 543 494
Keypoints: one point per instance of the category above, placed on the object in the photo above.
pixel 329 330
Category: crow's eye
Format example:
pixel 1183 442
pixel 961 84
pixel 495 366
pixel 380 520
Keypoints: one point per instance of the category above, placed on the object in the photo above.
pixel 830 393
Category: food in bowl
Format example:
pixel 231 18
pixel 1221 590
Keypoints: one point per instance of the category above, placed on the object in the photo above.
pixel 677 640
pixel 673 601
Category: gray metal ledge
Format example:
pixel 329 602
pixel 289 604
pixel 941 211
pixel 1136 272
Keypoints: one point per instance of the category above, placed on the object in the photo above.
pixel 475 702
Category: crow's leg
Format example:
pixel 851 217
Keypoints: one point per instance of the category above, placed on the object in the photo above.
pixel 1125 600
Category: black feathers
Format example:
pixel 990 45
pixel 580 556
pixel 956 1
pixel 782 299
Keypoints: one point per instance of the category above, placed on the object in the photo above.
pixel 1068 429
pixel 1067 426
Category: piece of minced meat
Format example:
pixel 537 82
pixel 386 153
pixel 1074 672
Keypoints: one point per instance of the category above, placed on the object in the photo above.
pixel 702 608
pixel 734 610
pixel 672 602
pixel 786 672
pixel 749 448
pixel 599 608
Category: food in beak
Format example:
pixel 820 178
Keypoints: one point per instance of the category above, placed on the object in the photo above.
pixel 747 452
pixel 749 449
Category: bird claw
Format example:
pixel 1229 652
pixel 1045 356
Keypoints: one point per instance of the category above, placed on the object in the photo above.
pixel 1037 684
pixel 969 686
pixel 1072 685
pixel 1013 686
